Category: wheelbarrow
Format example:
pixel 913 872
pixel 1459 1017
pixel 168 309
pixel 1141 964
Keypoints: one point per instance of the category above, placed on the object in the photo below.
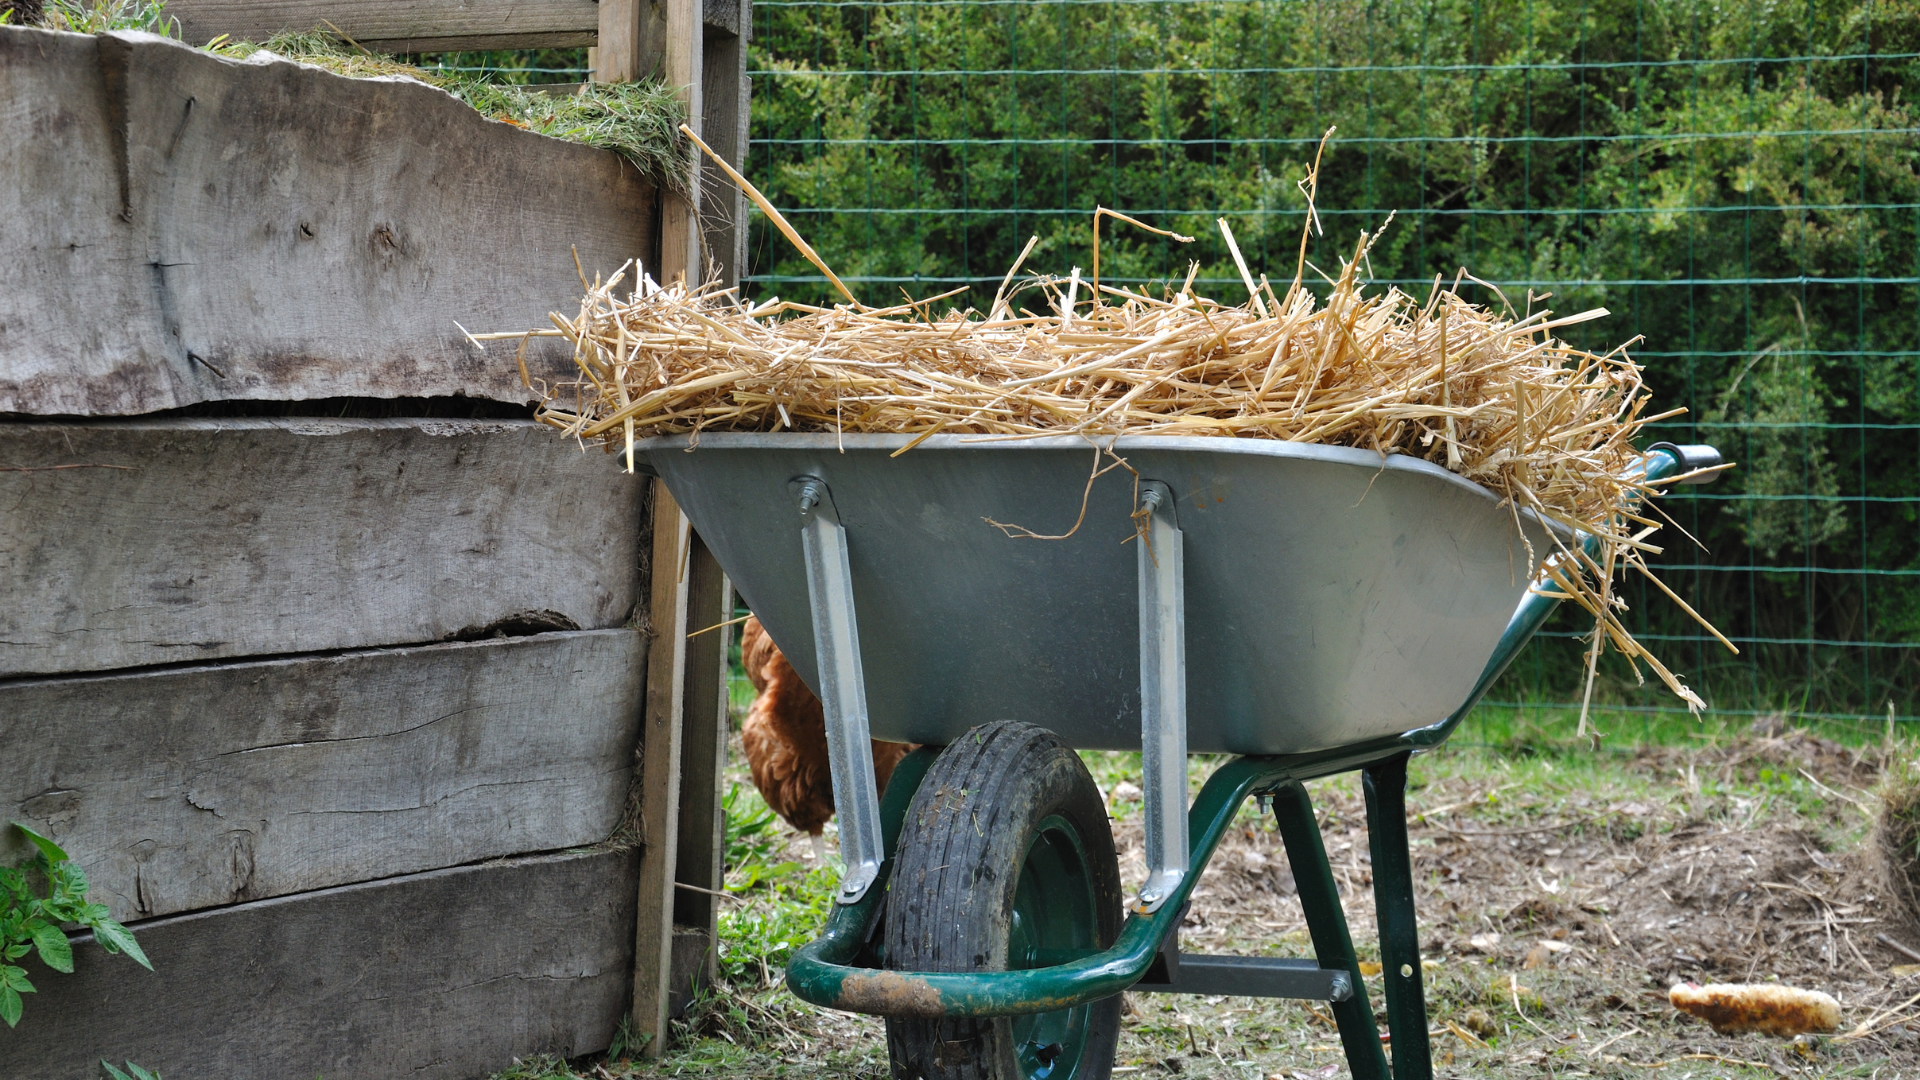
pixel 1309 609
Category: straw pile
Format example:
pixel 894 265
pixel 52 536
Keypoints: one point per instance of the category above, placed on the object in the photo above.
pixel 1493 397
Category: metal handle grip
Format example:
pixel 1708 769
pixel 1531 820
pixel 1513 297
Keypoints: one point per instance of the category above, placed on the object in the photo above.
pixel 1689 458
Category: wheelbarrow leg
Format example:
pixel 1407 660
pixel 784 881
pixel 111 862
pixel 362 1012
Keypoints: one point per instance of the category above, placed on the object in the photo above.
pixel 1327 924
pixel 843 688
pixel 1163 697
pixel 1386 786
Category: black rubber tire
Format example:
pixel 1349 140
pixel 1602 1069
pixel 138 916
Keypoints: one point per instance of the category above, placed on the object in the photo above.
pixel 950 905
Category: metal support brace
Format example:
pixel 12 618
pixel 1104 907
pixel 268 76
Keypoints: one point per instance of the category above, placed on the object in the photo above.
pixel 1327 925
pixel 1163 697
pixel 1385 783
pixel 1175 972
pixel 843 689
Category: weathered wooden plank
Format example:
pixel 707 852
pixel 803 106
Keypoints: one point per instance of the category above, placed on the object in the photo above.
pixel 680 61
pixel 660 770
pixel 699 868
pixel 189 540
pixel 429 26
pixel 703 753
pixel 446 975
pixel 418 26
pixel 632 35
pixel 725 95
pixel 734 17
pixel 180 227
pixel 693 957
pixel 194 787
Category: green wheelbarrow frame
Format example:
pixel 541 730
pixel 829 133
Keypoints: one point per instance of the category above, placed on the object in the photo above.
pixel 836 970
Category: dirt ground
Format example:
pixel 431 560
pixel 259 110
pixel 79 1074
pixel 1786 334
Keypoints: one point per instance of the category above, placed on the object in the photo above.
pixel 1560 893
pixel 1554 927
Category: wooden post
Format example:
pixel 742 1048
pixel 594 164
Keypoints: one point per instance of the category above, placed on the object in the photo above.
pixel 680 214
pixel 631 35
pixel 703 755
pixel 685 725
pixel 660 726
pixel 646 38
pixel 725 95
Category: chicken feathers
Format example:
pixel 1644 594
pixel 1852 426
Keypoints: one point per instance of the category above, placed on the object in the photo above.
pixel 785 738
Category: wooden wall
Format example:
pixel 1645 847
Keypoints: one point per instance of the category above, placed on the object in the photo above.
pixel 339 713
pixel 199 200
pixel 269 680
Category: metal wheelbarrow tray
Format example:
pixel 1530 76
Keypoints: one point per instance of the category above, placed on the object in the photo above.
pixel 1315 609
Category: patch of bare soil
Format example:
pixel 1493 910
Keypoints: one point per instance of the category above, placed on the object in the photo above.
pixel 1553 929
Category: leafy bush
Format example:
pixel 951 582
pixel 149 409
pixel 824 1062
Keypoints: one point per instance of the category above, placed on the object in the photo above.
pixel 1736 182
pixel 32 923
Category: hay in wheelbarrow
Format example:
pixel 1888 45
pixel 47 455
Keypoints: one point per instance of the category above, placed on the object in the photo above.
pixel 1491 395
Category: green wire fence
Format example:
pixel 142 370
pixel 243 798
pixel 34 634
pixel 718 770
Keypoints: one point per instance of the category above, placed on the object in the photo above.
pixel 1736 181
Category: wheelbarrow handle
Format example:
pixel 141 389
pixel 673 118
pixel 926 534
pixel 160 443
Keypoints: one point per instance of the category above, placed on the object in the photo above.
pixel 1691 462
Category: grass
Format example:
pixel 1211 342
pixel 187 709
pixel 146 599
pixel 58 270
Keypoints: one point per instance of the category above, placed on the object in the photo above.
pixel 640 121
pixel 99 16
pixel 785 902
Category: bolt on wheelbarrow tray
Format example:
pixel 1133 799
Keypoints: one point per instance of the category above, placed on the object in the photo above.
pixel 1314 609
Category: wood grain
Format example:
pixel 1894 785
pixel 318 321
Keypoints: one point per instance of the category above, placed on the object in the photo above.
pixel 731 17
pixel 660 770
pixel 632 35
pixel 194 787
pixel 703 753
pixel 680 61
pixel 725 95
pixel 182 227
pixel 693 956
pixel 512 24
pixel 190 540
pixel 446 975
pixel 433 25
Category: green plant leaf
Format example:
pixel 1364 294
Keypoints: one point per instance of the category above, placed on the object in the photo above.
pixel 113 1073
pixel 9 1005
pixel 15 979
pixel 55 951
pixel 116 938
pixel 47 847
pixel 76 879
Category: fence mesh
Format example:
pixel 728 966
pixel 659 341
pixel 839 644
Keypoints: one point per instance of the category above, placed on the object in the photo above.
pixel 1736 181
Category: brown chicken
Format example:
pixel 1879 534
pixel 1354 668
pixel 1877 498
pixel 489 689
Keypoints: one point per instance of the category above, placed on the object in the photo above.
pixel 785 737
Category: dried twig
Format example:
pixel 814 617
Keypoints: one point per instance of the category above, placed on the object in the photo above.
pixel 1724 1060
pixel 1896 946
